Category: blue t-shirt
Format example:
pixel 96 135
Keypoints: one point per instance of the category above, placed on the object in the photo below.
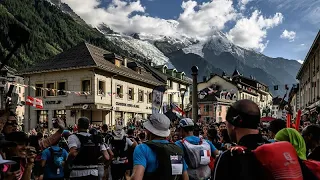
pixel 195 140
pixel 48 171
pixel 145 157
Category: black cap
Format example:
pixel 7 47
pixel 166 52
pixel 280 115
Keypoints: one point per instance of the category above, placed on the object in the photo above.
pixel 17 137
pixel 4 143
pixel 244 114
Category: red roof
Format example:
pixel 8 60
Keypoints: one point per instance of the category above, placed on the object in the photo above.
pixel 268 119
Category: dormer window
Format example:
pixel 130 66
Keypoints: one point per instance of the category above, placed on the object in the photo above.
pixel 114 59
pixel 174 73
pixel 165 69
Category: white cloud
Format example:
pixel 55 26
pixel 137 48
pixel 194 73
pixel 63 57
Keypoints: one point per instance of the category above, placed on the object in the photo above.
pixel 251 32
pixel 290 35
pixel 243 3
pixel 197 20
pixel 300 61
pixel 302 44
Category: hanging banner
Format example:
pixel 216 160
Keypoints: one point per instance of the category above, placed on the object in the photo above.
pixel 298 120
pixel 288 120
pixel 157 97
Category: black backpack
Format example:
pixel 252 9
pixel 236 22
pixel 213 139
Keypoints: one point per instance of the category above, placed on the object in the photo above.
pixel 164 151
pixel 89 152
pixel 118 147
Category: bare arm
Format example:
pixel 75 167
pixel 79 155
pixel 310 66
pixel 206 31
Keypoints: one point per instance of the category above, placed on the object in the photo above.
pixel 27 172
pixel 45 143
pixel 72 153
pixel 185 175
pixel 138 172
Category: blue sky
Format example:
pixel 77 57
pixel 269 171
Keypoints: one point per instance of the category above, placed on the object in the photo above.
pixel 277 28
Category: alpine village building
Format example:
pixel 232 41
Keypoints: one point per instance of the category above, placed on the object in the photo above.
pixel 103 86
pixel 309 80
pixel 219 91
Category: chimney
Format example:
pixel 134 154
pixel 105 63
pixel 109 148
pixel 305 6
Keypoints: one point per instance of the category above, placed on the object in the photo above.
pixel 204 78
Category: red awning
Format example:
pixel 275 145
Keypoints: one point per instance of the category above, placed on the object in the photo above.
pixel 267 119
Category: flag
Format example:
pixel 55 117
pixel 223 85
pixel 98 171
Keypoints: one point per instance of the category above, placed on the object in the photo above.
pixel 35 102
pixel 286 87
pixel 157 97
pixel 177 109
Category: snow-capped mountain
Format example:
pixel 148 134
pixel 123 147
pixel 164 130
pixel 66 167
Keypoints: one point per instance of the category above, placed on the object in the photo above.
pixel 213 55
pixel 136 46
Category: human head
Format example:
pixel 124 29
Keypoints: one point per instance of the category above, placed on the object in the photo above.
pixel 21 139
pixel 186 127
pixel 130 132
pixel 142 136
pixel 222 125
pixel 311 135
pixel 275 126
pixel 243 118
pixel 306 123
pixel 104 128
pixel 11 124
pixel 293 136
pixel 158 126
pixel 175 137
pixel 213 135
pixel 83 124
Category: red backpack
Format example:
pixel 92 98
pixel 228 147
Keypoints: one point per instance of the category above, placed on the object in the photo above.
pixel 313 166
pixel 279 160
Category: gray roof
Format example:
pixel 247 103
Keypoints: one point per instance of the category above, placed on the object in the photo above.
pixel 86 55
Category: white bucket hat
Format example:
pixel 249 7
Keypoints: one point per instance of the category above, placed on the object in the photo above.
pixel 158 124
pixel 3 161
pixel 118 133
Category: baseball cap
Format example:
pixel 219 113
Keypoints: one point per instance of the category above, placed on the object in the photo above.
pixel 158 124
pixel 186 122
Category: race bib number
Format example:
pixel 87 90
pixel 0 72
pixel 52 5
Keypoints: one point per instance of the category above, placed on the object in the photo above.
pixel 176 164
pixel 205 157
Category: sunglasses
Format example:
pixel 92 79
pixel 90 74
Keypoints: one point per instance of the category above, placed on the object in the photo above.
pixel 12 124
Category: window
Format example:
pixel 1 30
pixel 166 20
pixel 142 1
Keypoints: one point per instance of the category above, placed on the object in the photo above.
pixel 50 92
pixel 130 94
pixel 19 89
pixel 169 84
pixel 101 88
pixel 206 108
pixel 170 97
pixel 117 62
pixel 179 87
pixel 61 88
pixel 60 113
pixel 150 98
pixel 85 86
pixel 39 90
pixel 220 119
pixel 42 117
pixel 140 94
pixel 219 108
pixel 119 91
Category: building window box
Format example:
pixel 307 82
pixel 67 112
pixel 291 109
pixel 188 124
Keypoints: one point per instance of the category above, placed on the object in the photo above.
pixel 50 91
pixel 130 94
pixel 101 88
pixel 61 88
pixel 119 91
pixel 140 96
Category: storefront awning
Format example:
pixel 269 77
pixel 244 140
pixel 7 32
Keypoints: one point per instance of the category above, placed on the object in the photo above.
pixel 106 107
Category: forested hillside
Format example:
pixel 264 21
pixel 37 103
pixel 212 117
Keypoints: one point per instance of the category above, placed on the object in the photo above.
pixel 51 31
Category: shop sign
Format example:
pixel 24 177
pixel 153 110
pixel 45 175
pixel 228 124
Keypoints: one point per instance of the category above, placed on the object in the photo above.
pixel 53 102
pixel 128 105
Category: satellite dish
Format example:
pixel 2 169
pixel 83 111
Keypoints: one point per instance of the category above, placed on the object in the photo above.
pixel 85 106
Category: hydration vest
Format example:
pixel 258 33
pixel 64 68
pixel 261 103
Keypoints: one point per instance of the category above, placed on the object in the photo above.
pixel 118 149
pixel 170 161
pixel 89 152
pixel 198 159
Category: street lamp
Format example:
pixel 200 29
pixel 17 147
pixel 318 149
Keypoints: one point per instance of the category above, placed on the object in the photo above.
pixel 182 93
pixel 195 70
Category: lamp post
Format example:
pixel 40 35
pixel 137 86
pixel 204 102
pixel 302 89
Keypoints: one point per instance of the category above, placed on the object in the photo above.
pixel 194 70
pixel 182 93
